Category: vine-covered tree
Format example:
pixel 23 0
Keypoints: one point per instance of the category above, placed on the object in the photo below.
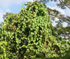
pixel 56 14
pixel 30 35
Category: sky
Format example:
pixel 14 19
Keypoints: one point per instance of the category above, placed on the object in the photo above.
pixel 14 6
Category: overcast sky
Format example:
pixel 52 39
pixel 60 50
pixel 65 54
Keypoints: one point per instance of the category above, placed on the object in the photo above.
pixel 14 6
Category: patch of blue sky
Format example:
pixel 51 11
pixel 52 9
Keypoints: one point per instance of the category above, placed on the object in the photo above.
pixel 15 8
pixel 67 11
pixel 52 4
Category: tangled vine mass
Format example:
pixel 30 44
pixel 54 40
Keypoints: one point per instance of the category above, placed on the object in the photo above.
pixel 30 35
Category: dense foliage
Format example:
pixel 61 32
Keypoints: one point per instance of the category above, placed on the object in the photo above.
pixel 30 35
pixel 54 13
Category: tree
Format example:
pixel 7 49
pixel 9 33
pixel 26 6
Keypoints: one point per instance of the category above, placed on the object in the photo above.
pixel 56 14
pixel 30 35
pixel 6 15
